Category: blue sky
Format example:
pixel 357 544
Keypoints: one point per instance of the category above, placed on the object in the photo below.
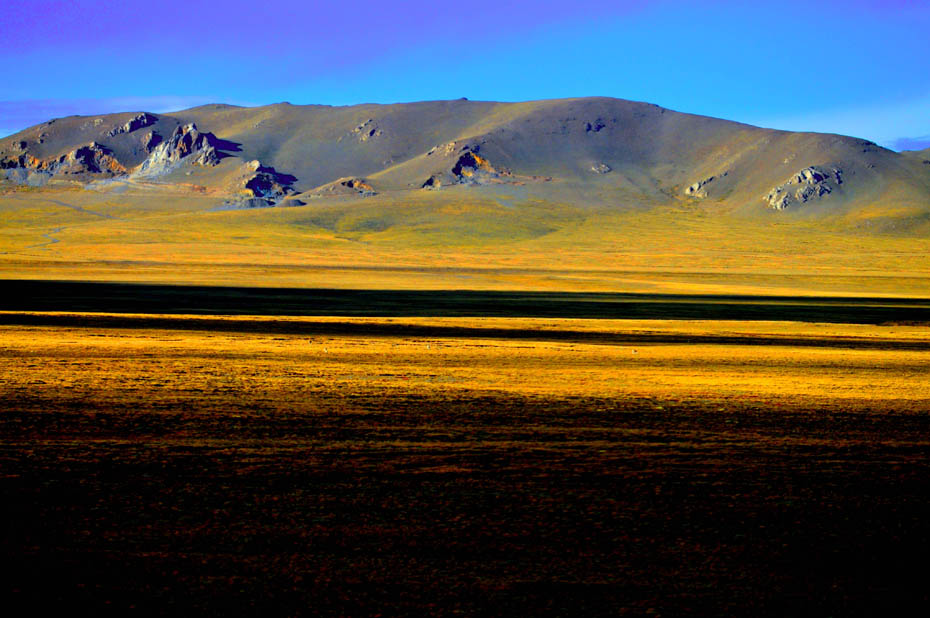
pixel 858 67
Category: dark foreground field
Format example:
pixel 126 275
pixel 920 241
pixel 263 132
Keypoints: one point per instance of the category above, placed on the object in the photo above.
pixel 160 465
pixel 26 295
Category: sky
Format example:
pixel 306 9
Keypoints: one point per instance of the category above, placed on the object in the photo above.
pixel 857 67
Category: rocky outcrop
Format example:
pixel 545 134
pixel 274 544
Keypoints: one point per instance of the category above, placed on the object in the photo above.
pixel 473 169
pixel 466 166
pixel 92 158
pixel 445 150
pixel 366 131
pixel 186 144
pixel 358 185
pixel 262 187
pixel 600 168
pixel 136 122
pixel 698 190
pixel 344 186
pixel 266 183
pixel 805 185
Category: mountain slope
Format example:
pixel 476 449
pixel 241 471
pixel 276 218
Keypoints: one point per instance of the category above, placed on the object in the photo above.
pixel 590 152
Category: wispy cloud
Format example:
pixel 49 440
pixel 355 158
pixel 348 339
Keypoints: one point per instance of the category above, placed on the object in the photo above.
pixel 19 114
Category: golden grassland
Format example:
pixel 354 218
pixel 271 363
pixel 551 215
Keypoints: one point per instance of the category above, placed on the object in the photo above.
pixel 719 362
pixel 447 240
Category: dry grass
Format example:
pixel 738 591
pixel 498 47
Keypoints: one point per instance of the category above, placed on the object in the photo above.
pixel 452 240
pixel 817 363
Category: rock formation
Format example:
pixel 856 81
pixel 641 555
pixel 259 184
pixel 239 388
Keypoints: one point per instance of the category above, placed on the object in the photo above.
pixel 445 149
pixel 699 189
pixel 803 186
pixel 150 140
pixel 136 122
pixel 187 144
pixel 264 182
pixel 358 185
pixel 465 166
pixel 472 169
pixel 344 186
pixel 366 131
pixel 91 158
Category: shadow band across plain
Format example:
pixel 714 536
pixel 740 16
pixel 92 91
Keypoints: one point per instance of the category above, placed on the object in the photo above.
pixel 99 297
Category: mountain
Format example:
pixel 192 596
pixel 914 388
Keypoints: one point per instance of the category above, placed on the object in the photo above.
pixel 577 194
pixel 596 152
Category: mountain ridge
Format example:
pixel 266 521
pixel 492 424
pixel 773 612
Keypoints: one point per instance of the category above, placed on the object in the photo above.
pixel 596 151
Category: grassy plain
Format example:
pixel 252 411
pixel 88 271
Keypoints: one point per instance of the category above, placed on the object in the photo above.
pixel 432 465
pixel 351 466
pixel 459 238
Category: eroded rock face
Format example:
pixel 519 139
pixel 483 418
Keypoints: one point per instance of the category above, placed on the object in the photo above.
pixel 698 190
pixel 186 143
pixel 803 186
pixel 92 158
pixel 136 122
pixel 150 140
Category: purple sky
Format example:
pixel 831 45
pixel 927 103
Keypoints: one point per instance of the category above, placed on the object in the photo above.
pixel 858 67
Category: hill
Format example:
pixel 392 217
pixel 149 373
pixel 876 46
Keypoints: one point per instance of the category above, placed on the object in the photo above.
pixel 616 152
pixel 539 185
